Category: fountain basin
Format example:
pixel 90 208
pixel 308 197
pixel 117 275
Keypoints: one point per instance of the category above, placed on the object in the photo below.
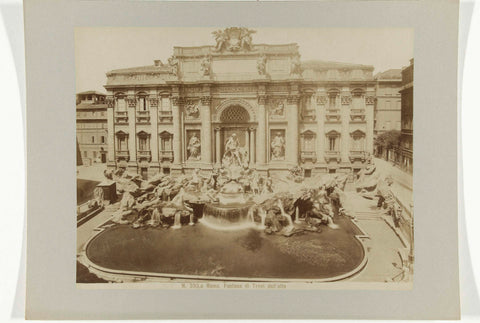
pixel 198 252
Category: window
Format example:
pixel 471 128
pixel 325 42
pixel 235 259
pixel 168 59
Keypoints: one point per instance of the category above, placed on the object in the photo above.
pixel 332 100
pixel 122 144
pixel 93 139
pixel 143 141
pixel 102 139
pixel 333 138
pixel 308 173
pixel 121 104
pixel 358 141
pixel 142 104
pixel 332 143
pixel 165 104
pixel 308 141
pixel 94 154
pixel 332 171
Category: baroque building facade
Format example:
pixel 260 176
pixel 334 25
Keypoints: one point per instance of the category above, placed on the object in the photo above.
pixel 279 111
pixel 91 119
pixel 406 135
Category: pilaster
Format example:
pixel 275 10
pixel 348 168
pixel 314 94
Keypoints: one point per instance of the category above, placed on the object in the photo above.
pixel 369 117
pixel 262 129
pixel 206 133
pixel 153 103
pixel 321 100
pixel 344 105
pixel 291 139
pixel 132 135
pixel 177 133
pixel 110 132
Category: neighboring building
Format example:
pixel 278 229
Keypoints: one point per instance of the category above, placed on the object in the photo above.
pixel 92 127
pixel 387 104
pixel 406 137
pixel 182 115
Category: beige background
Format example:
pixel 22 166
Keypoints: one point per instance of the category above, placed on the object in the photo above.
pixel 51 291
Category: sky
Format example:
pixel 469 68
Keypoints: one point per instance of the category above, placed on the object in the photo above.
pixel 101 49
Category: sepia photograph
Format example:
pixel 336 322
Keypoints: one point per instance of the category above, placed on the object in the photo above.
pixel 244 157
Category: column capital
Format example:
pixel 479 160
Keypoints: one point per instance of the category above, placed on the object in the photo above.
pixel 217 128
pixel 370 99
pixel 206 100
pixel 131 101
pixel 293 99
pixel 346 99
pixel 176 100
pixel 110 101
pixel 251 129
pixel 262 99
pixel 321 100
pixel 153 102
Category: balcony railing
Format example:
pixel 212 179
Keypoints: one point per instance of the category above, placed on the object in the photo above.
pixel 332 115
pixel 308 155
pixel 144 154
pixel 332 155
pixel 143 116
pixel 357 155
pixel 165 116
pixel 357 114
pixel 121 117
pixel 123 155
pixel 166 155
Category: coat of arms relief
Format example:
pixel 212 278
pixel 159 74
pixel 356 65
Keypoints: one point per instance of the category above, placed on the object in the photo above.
pixel 233 39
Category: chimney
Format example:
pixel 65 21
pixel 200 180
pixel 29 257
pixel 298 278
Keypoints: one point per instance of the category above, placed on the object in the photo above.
pixel 158 62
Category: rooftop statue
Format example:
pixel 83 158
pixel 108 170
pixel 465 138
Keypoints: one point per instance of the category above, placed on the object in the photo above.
pixel 233 39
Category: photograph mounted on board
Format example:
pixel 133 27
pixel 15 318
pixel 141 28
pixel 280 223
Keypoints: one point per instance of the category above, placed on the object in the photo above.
pixel 258 157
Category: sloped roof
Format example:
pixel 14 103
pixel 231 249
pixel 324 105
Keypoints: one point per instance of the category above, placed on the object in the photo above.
pixel 391 74
pixel 142 69
pixel 91 92
pixel 322 65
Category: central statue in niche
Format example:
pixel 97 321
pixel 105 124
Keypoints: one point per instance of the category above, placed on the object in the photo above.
pixel 234 154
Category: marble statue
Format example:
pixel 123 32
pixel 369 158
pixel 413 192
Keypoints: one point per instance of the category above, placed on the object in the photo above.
pixel 233 154
pixel 278 147
pixel 296 68
pixel 194 148
pixel 262 65
pixel 173 62
pixel 205 66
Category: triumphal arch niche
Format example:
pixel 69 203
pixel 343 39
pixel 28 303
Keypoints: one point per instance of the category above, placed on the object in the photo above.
pixel 239 102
